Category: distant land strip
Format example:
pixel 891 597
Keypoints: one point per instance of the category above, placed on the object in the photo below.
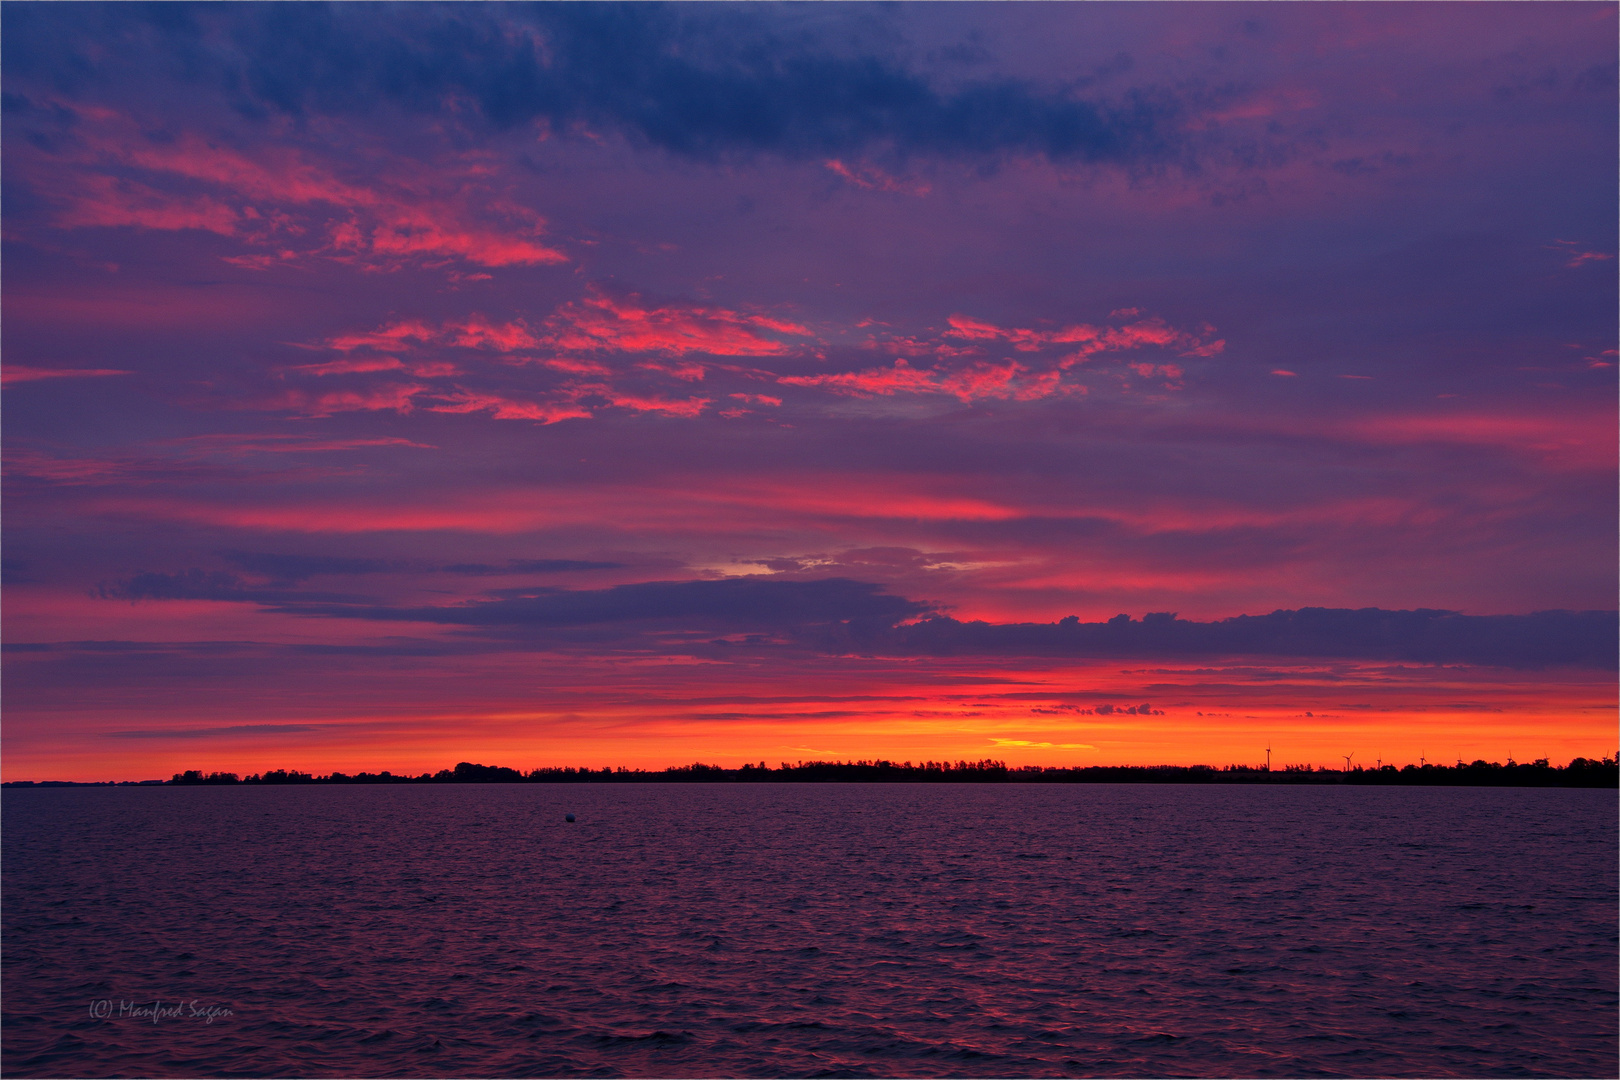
pixel 1581 772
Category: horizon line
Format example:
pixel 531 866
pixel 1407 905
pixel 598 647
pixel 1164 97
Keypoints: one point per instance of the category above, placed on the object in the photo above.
pixel 960 770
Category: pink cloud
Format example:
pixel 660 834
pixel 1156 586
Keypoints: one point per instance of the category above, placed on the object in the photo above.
pixel 279 176
pixel 348 365
pixel 711 505
pixel 160 468
pixel 502 408
pixel 1261 105
pixel 65 470
pixel 278 443
pixel 975 382
pixel 476 332
pixel 781 326
pixel 687 370
pixel 1152 332
pixel 1136 335
pixel 260 262
pixel 872 178
pixel 576 367
pixel 628 324
pixel 857 496
pixel 689 408
pixel 305 516
pixel 18 373
pixel 395 396
pixel 902 378
pixel 105 202
pixel 1577 255
pixel 432 369
pixel 1169 372
pixel 597 322
pixel 972 329
pixel 1005 381
pixel 407 231
pixel 1571 440
pixel 280 195
pixel 914 347
pixel 360 365
pixel 393 336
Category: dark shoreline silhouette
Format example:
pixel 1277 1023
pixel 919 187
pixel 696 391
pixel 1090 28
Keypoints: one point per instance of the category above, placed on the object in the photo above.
pixel 1579 773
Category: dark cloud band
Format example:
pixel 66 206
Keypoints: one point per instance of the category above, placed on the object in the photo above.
pixel 846 616
pixel 1546 638
pixel 700 83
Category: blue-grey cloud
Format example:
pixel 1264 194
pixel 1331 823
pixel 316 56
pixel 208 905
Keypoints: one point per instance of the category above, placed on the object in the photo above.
pixel 1545 638
pixel 296 568
pixel 729 605
pixel 527 566
pixel 696 80
pixel 214 732
pixel 196 584
pixel 149 651
pixel 283 570
pixel 846 616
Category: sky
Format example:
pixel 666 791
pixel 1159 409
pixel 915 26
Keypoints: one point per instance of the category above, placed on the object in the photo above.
pixel 1068 384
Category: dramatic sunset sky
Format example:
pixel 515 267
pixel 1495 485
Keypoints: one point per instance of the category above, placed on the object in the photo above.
pixel 392 386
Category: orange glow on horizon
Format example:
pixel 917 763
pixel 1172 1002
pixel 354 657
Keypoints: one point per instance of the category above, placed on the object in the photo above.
pixel 668 713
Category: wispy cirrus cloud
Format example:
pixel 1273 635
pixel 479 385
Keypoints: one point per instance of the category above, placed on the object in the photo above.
pixel 394 396
pixel 21 373
pixel 1579 254
pixel 363 365
pixel 195 457
pixel 275 442
pixel 505 408
pixel 473 332
pixel 976 382
pixel 1084 340
pixel 874 179
pixel 683 407
pixel 282 200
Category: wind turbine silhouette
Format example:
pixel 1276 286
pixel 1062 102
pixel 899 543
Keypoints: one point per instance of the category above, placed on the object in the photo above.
pixel 1347 758
pixel 1268 756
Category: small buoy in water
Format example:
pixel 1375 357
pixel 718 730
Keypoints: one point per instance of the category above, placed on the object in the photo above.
pixel 568 817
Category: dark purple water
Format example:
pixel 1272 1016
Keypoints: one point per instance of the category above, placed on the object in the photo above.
pixel 810 930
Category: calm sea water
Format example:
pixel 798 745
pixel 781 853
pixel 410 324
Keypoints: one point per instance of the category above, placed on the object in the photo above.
pixel 809 930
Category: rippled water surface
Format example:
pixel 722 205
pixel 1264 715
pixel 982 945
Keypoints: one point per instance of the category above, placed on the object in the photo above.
pixel 810 930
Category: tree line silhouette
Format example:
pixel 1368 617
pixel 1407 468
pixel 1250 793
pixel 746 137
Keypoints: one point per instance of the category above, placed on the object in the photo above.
pixel 1581 772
